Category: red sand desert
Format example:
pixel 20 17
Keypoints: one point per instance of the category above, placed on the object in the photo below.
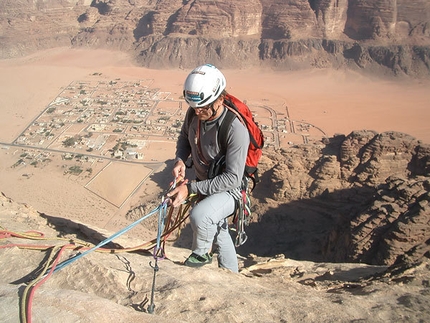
pixel 334 101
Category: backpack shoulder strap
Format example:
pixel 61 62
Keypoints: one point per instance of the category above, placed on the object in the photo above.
pixel 190 115
pixel 224 129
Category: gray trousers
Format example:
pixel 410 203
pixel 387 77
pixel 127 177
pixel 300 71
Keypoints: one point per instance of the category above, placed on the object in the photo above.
pixel 209 224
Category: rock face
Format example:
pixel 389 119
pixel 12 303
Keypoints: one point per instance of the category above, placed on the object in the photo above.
pixel 371 190
pixel 379 36
pixel 395 19
pixel 112 285
pixel 217 19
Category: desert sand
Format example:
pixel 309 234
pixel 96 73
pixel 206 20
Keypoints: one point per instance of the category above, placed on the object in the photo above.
pixel 337 102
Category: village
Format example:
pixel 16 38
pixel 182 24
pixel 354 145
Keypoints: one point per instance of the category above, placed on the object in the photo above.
pixel 92 121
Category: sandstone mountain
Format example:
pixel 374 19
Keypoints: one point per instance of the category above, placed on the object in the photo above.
pixel 371 191
pixel 391 37
pixel 352 211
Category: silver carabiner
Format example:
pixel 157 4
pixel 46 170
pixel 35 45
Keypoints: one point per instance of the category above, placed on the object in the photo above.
pixel 165 198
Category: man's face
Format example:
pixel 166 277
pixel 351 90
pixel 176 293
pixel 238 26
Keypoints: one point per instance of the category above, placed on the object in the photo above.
pixel 207 112
pixel 204 113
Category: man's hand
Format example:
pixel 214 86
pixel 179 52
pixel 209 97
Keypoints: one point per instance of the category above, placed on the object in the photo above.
pixel 179 169
pixel 178 195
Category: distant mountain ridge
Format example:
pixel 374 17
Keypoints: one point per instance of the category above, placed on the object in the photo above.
pixel 389 37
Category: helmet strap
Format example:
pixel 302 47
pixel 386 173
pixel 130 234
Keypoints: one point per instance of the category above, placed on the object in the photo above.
pixel 214 112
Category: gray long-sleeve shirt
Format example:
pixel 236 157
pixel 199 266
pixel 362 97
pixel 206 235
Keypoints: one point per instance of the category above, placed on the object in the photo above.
pixel 235 156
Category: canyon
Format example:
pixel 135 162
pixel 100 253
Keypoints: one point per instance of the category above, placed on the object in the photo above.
pixel 382 37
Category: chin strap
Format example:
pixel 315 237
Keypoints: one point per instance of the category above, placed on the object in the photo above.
pixel 214 112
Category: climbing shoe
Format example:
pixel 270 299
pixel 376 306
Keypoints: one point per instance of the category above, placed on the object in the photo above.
pixel 195 260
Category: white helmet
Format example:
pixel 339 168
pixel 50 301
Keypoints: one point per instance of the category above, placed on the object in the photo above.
pixel 203 86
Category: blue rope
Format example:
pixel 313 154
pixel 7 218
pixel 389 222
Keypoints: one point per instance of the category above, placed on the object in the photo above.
pixel 112 237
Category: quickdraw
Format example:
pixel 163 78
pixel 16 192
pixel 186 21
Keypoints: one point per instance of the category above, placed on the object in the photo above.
pixel 158 249
pixel 166 224
pixel 242 215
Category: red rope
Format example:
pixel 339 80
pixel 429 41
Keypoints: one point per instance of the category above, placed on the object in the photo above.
pixel 32 234
pixel 31 296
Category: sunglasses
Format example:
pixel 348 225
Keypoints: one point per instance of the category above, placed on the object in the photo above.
pixel 206 107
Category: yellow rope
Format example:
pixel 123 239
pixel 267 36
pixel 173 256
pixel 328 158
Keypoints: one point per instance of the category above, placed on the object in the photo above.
pixel 34 282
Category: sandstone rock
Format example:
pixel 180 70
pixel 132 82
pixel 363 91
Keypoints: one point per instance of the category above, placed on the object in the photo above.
pixel 332 16
pixel 350 152
pixel 420 164
pixel 327 175
pixel 391 229
pixel 221 19
pixel 377 37
pixel 288 20
pixel 372 188
pixel 388 22
pixel 388 153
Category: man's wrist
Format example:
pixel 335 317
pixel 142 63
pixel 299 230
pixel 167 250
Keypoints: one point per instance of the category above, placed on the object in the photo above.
pixel 177 159
pixel 189 188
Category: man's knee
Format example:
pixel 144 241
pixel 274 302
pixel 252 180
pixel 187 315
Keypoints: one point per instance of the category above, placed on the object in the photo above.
pixel 198 219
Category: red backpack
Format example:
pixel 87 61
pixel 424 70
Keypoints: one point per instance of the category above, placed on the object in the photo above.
pixel 255 150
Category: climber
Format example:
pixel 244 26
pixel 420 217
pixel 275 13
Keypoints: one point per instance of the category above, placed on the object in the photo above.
pixel 204 92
